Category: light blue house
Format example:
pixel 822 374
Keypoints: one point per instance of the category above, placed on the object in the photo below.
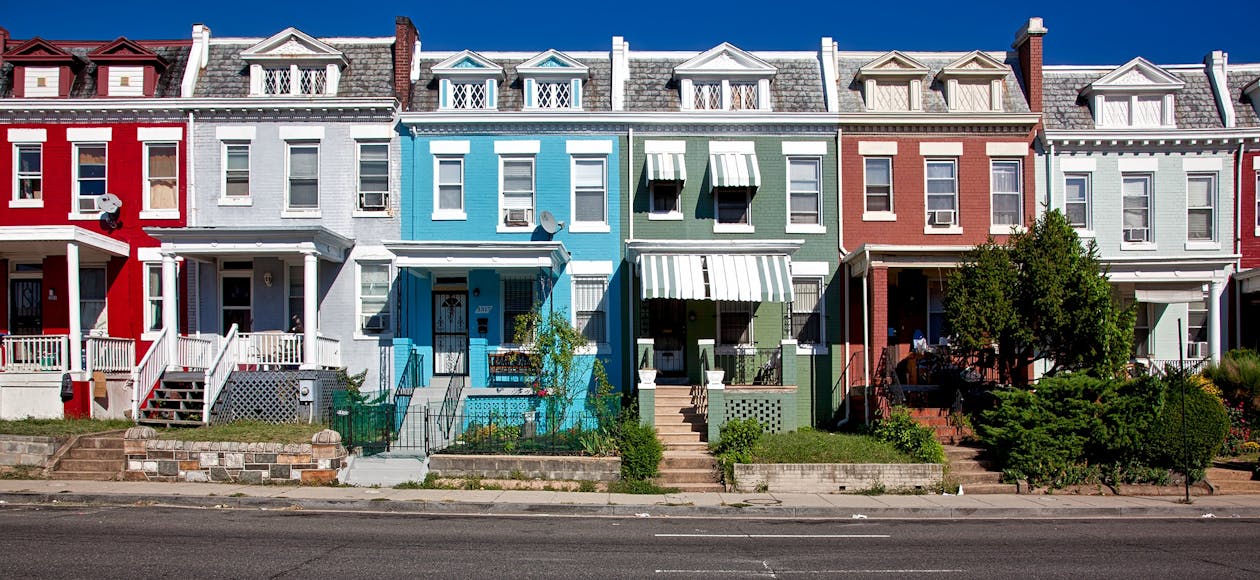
pixel 510 199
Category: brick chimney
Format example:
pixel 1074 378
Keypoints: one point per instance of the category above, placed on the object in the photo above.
pixel 1028 46
pixel 405 37
pixel 4 42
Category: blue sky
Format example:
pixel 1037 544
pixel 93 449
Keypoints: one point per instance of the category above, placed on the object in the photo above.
pixel 1080 32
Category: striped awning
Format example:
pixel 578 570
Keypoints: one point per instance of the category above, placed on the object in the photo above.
pixel 666 167
pixel 741 277
pixel 734 170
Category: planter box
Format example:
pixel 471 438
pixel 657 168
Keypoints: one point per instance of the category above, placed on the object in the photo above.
pixel 836 477
pixel 531 466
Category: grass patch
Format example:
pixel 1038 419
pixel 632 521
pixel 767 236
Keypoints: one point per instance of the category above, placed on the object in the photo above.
pixel 639 487
pixel 808 446
pixel 246 432
pixel 22 472
pixel 61 427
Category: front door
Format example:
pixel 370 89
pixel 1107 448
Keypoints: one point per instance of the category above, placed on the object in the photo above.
pixel 26 313
pixel 237 298
pixel 667 325
pixel 450 333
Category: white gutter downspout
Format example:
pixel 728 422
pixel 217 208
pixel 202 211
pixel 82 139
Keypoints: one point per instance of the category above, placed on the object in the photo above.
pixel 192 172
pixel 1238 168
pixel 1049 174
pixel 634 312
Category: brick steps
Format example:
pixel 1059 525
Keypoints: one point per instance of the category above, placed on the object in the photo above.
pixel 686 463
pixel 1226 481
pixel 93 458
pixel 975 474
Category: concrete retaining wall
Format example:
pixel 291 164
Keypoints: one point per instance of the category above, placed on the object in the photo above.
pixel 503 466
pixel 835 477
pixel 26 450
pixel 305 463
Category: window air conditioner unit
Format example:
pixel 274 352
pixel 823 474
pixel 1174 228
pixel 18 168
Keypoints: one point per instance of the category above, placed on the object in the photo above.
pixel 377 200
pixel 374 323
pixel 516 217
pixel 1197 350
pixel 1136 234
pixel 943 217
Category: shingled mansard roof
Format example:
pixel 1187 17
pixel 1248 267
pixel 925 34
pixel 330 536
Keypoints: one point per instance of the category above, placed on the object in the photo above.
pixel 796 87
pixel 1244 106
pixel 173 53
pixel 369 71
pixel 850 94
pixel 596 89
pixel 1067 109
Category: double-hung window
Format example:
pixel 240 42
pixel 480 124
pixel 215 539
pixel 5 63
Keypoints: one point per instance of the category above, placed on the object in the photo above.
pixel 733 205
pixel 92 286
pixel 590 192
pixel 28 172
pixel 89 175
pixel 236 171
pixel 878 178
pixel 303 178
pixel 942 192
pixel 1137 208
pixel 152 297
pixel 665 198
pixel 1077 200
pixel 1200 207
pixel 518 300
pixel 1142 330
pixel 805 191
pixel 161 176
pixel 516 194
pixel 448 186
pixel 373 177
pixel 1197 329
pixel 807 310
pixel 589 306
pixel 1006 189
pixel 374 294
pixel 735 323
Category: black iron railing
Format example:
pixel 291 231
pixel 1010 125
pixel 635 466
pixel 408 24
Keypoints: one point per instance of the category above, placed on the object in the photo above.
pixel 578 432
pixel 750 366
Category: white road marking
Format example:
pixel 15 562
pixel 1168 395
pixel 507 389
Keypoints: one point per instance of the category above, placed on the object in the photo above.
pixel 854 571
pixel 796 536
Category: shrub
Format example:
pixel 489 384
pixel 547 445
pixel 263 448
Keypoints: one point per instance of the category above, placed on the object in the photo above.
pixel 909 437
pixel 1237 375
pixel 641 451
pixel 1198 438
pixel 1239 431
pixel 735 443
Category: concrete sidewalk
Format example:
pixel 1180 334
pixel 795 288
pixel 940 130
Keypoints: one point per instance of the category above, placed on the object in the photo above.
pixel 758 505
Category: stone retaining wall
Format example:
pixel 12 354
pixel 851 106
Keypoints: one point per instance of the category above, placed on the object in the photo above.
pixel 27 450
pixel 836 477
pixel 531 467
pixel 296 463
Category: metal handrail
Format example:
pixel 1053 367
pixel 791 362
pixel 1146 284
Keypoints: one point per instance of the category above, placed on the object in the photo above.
pixel 220 369
pixel 751 366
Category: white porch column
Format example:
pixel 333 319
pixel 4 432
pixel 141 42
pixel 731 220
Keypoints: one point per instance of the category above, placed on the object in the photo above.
pixel 1216 293
pixel 170 308
pixel 310 310
pixel 75 351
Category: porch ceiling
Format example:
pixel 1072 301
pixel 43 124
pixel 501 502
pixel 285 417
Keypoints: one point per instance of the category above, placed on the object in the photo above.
pixel 465 254
pixel 253 241
pixel 52 240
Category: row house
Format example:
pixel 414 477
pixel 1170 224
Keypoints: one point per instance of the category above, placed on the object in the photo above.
pixel 1243 97
pixel 937 155
pixel 1143 161
pixel 92 152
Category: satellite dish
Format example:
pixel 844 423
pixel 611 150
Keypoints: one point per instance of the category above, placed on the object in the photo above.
pixel 108 203
pixel 549 223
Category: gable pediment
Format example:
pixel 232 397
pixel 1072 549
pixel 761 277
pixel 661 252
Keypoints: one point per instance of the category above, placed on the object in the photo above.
pixel 893 65
pixel 554 63
pixel 124 50
pixel 468 63
pixel 38 51
pixel 975 64
pixel 292 44
pixel 725 60
pixel 1138 74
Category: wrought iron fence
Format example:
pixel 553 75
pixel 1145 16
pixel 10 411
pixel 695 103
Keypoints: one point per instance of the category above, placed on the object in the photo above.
pixel 538 432
pixel 364 422
pixel 750 366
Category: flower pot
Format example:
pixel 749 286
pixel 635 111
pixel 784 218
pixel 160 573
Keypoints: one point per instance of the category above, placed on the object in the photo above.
pixel 647 376
pixel 714 377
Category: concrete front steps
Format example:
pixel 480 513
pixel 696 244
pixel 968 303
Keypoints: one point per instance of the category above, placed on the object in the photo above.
pixel 687 463
pixel 1229 481
pixel 976 475
pixel 938 418
pixel 94 458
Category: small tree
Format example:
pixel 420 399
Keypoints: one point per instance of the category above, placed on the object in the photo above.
pixel 558 374
pixel 1042 295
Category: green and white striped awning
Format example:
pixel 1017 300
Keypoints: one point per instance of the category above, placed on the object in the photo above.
pixel 734 170
pixel 740 277
pixel 666 167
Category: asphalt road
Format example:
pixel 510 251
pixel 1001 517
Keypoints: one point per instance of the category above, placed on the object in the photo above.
pixel 145 542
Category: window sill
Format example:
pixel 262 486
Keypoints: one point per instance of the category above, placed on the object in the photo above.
pixel 951 230
pixel 806 229
pixel 382 336
pixel 84 217
pixel 310 214
pixel 1202 245
pixel 442 216
pixel 370 214
pixel 240 201
pixel 28 203
pixel 1004 230
pixel 733 228
pixel 159 214
pixel 811 350
pixel 879 216
pixel 589 228
pixel 1085 233
pixel 1139 246
pixel 677 216
pixel 502 229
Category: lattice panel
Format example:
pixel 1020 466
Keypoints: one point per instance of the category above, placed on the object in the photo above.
pixel 314 81
pixel 468 95
pixel 767 412
pixel 475 407
pixel 743 96
pixel 708 96
pixel 272 396
pixel 276 81
pixel 555 95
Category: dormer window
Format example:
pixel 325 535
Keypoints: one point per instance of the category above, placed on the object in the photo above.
pixel 974 83
pixel 1137 95
pixel 294 64
pixel 468 81
pixel 893 83
pixel 42 81
pixel 552 81
pixel 40 69
pixel 725 78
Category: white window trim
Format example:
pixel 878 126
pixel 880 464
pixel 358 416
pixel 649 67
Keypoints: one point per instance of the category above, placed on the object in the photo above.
pixel 358 300
pixel 686 89
pixel 820 348
pixel 1150 244
pixel 500 227
pixel 290 212
pixel 676 215
pixel 530 85
pixel 600 346
pixel 224 199
pixel 1214 198
pixel 358 211
pixel 1256 194
pixel 880 216
pixel 159 214
pixel 721 228
pixel 1007 229
pixel 956 228
pixel 1167 111
pixel 148 335
pixel 814 228
pixel 1088 230
pixel 576 226
pixel 440 214
pixel 75 213
pixel 14 202
pixel 446 92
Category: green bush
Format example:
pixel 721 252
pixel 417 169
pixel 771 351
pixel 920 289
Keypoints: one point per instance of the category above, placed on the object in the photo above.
pixel 812 446
pixel 1238 378
pixel 641 451
pixel 1198 438
pixel 909 437
pixel 735 443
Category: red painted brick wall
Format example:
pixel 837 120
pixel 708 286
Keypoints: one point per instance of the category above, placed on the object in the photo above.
pixel 1247 218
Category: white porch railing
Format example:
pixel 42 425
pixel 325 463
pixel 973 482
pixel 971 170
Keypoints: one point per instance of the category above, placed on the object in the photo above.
pixel 111 355
pixel 328 352
pixel 219 370
pixel 197 352
pixel 268 349
pixel 146 374
pixel 35 353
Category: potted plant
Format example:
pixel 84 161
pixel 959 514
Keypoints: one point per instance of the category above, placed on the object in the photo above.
pixel 647 376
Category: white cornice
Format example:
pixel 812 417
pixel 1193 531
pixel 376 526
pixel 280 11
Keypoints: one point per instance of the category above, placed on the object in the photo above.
pixel 627 117
pixel 194 103
pixel 1154 137
pixel 951 119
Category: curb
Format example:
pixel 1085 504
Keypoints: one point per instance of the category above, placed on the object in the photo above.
pixel 425 507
